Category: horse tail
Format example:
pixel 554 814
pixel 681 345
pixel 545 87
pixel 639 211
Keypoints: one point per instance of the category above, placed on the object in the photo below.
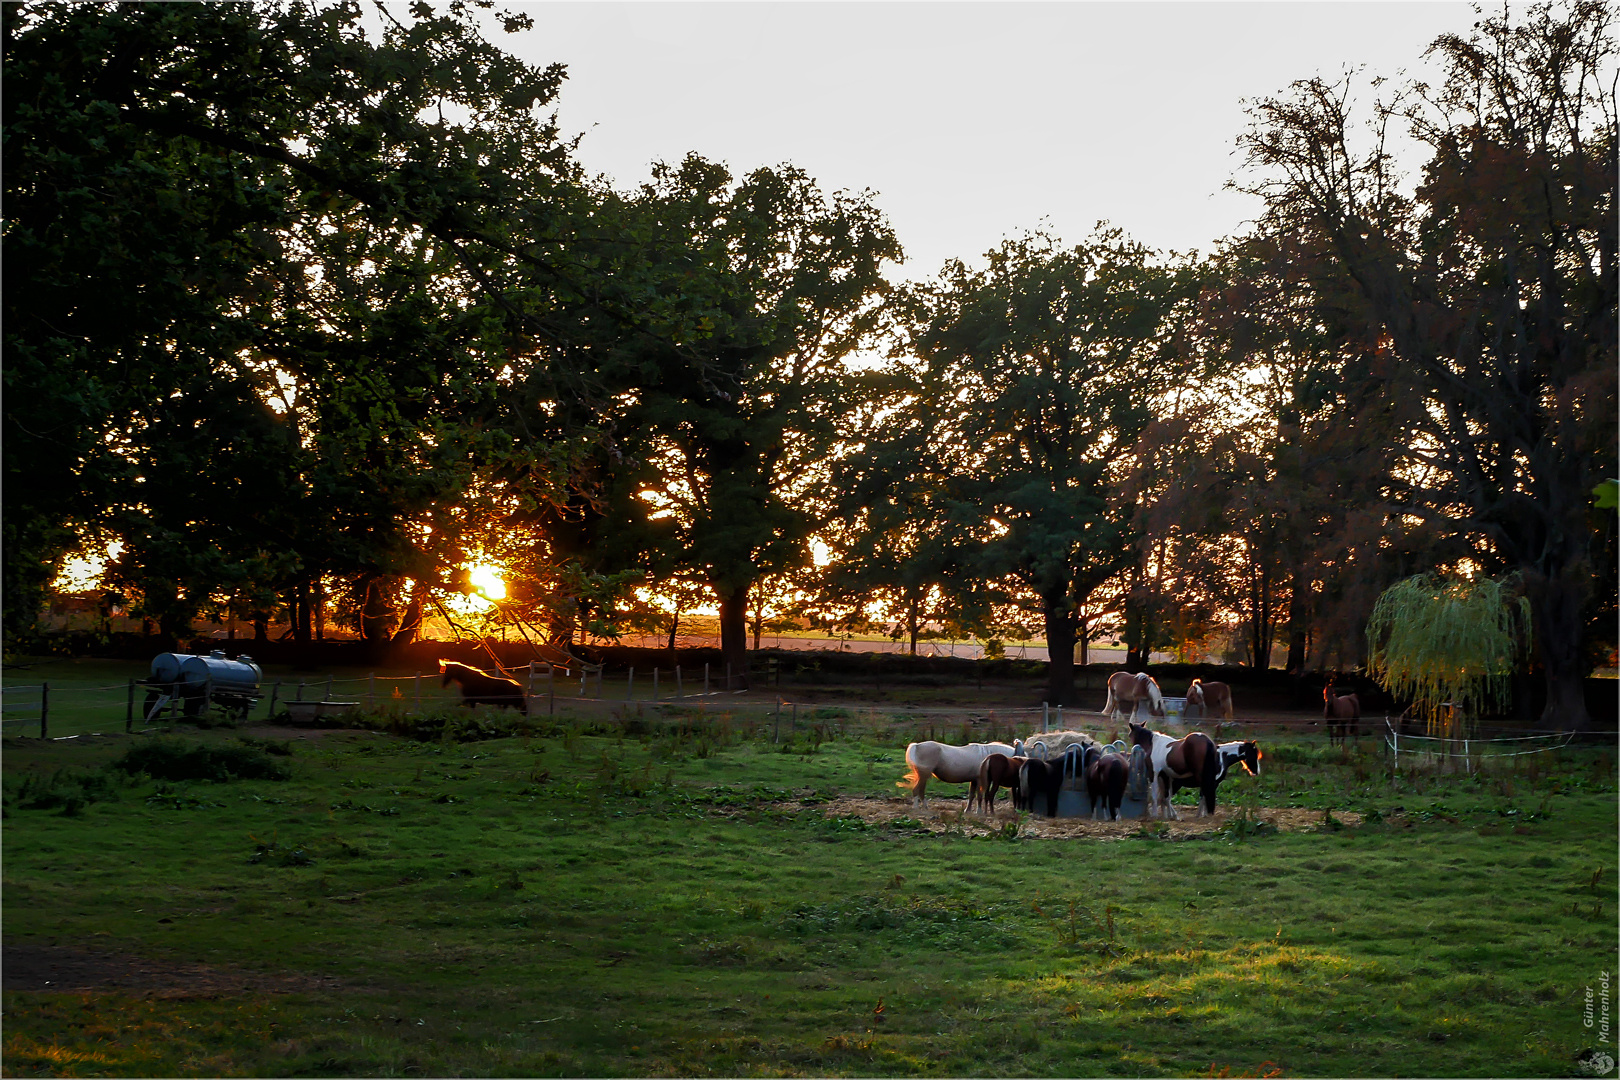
pixel 1108 706
pixel 1211 776
pixel 913 776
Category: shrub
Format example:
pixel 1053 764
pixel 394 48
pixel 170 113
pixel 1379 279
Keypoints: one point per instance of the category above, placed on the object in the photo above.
pixel 70 789
pixel 167 759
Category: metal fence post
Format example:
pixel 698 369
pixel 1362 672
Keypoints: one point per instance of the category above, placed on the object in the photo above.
pixel 630 685
pixel 274 690
pixel 679 693
pixel 416 690
pixel 776 727
pixel 655 686
pixel 328 696
pixel 705 680
pixel 1044 707
pixel 551 690
pixel 44 707
pixel 129 710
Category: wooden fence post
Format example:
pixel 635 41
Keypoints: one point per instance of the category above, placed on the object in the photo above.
pixel 679 693
pixel 551 690
pixel 630 685
pixel 776 727
pixel 44 707
pixel 129 710
pixel 655 686
pixel 328 696
pixel 274 690
pixel 705 680
pixel 371 690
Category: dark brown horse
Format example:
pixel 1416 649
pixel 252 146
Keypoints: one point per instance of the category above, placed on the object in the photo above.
pixel 482 688
pixel 1106 774
pixel 1038 777
pixel 1341 711
pixel 996 772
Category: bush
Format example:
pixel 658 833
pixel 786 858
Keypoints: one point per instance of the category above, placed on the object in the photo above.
pixel 70 789
pixel 168 759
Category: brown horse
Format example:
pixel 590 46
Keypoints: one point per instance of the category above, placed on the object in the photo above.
pixel 996 772
pixel 482 688
pixel 1106 774
pixel 1127 689
pixel 1341 711
pixel 1216 696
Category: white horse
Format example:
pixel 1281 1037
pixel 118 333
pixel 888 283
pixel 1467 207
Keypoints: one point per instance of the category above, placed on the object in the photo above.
pixel 952 764
pixel 1123 688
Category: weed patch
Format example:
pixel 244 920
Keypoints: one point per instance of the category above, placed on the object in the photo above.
pixel 170 759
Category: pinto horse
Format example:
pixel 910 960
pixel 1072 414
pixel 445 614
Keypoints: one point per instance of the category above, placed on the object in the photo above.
pixel 952 764
pixel 1208 696
pixel 482 688
pixel 1341 711
pixel 996 772
pixel 1178 763
pixel 1127 689
pixel 1106 774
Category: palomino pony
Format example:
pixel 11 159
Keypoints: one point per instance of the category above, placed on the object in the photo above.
pixel 1341 711
pixel 482 688
pixel 1209 696
pixel 952 764
pixel 1127 689
pixel 1195 759
pixel 999 771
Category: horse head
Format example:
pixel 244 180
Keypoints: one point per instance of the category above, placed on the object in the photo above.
pixel 1249 756
pixel 444 670
pixel 1155 698
pixel 1195 693
pixel 1141 736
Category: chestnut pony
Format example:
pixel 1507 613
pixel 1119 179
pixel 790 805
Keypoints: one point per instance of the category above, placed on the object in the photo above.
pixel 1177 763
pixel 1341 711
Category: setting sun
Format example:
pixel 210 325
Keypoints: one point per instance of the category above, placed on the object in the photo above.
pixel 487 580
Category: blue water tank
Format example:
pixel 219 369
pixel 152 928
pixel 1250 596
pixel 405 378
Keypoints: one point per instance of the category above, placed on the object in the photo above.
pixel 239 676
pixel 166 666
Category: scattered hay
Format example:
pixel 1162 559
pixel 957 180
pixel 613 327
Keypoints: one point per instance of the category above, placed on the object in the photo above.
pixel 941 815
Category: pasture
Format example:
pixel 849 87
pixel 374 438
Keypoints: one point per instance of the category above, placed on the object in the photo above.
pixel 657 892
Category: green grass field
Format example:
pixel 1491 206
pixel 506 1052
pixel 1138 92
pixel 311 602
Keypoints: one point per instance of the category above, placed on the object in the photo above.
pixel 675 900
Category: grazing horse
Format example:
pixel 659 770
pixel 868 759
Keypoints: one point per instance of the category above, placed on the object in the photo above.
pixel 1127 689
pixel 482 688
pixel 952 764
pixel 1041 777
pixel 1106 774
pixel 996 772
pixel 1208 696
pixel 1341 711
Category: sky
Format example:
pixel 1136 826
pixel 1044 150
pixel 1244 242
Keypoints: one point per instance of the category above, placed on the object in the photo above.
pixel 970 121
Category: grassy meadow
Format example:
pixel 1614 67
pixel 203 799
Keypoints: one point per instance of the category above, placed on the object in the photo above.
pixel 666 894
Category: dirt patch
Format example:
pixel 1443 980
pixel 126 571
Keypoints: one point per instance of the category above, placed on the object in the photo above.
pixel 64 969
pixel 942 815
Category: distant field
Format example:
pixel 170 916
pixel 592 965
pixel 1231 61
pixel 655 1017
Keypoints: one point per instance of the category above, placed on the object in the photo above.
pixel 671 894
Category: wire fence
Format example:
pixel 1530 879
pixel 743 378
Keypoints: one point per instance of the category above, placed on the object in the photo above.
pixel 1472 752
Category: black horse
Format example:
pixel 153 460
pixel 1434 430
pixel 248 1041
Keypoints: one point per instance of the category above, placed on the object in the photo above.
pixel 1039 776
pixel 482 688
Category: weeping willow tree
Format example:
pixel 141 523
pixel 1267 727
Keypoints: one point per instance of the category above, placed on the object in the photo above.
pixel 1449 644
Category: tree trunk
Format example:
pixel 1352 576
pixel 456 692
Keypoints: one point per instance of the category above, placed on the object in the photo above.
pixel 1299 621
pixel 674 625
pixel 912 622
pixel 1060 637
pixel 410 624
pixel 261 628
pixel 374 614
pixel 734 633
pixel 1556 631
pixel 319 598
pixel 299 605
